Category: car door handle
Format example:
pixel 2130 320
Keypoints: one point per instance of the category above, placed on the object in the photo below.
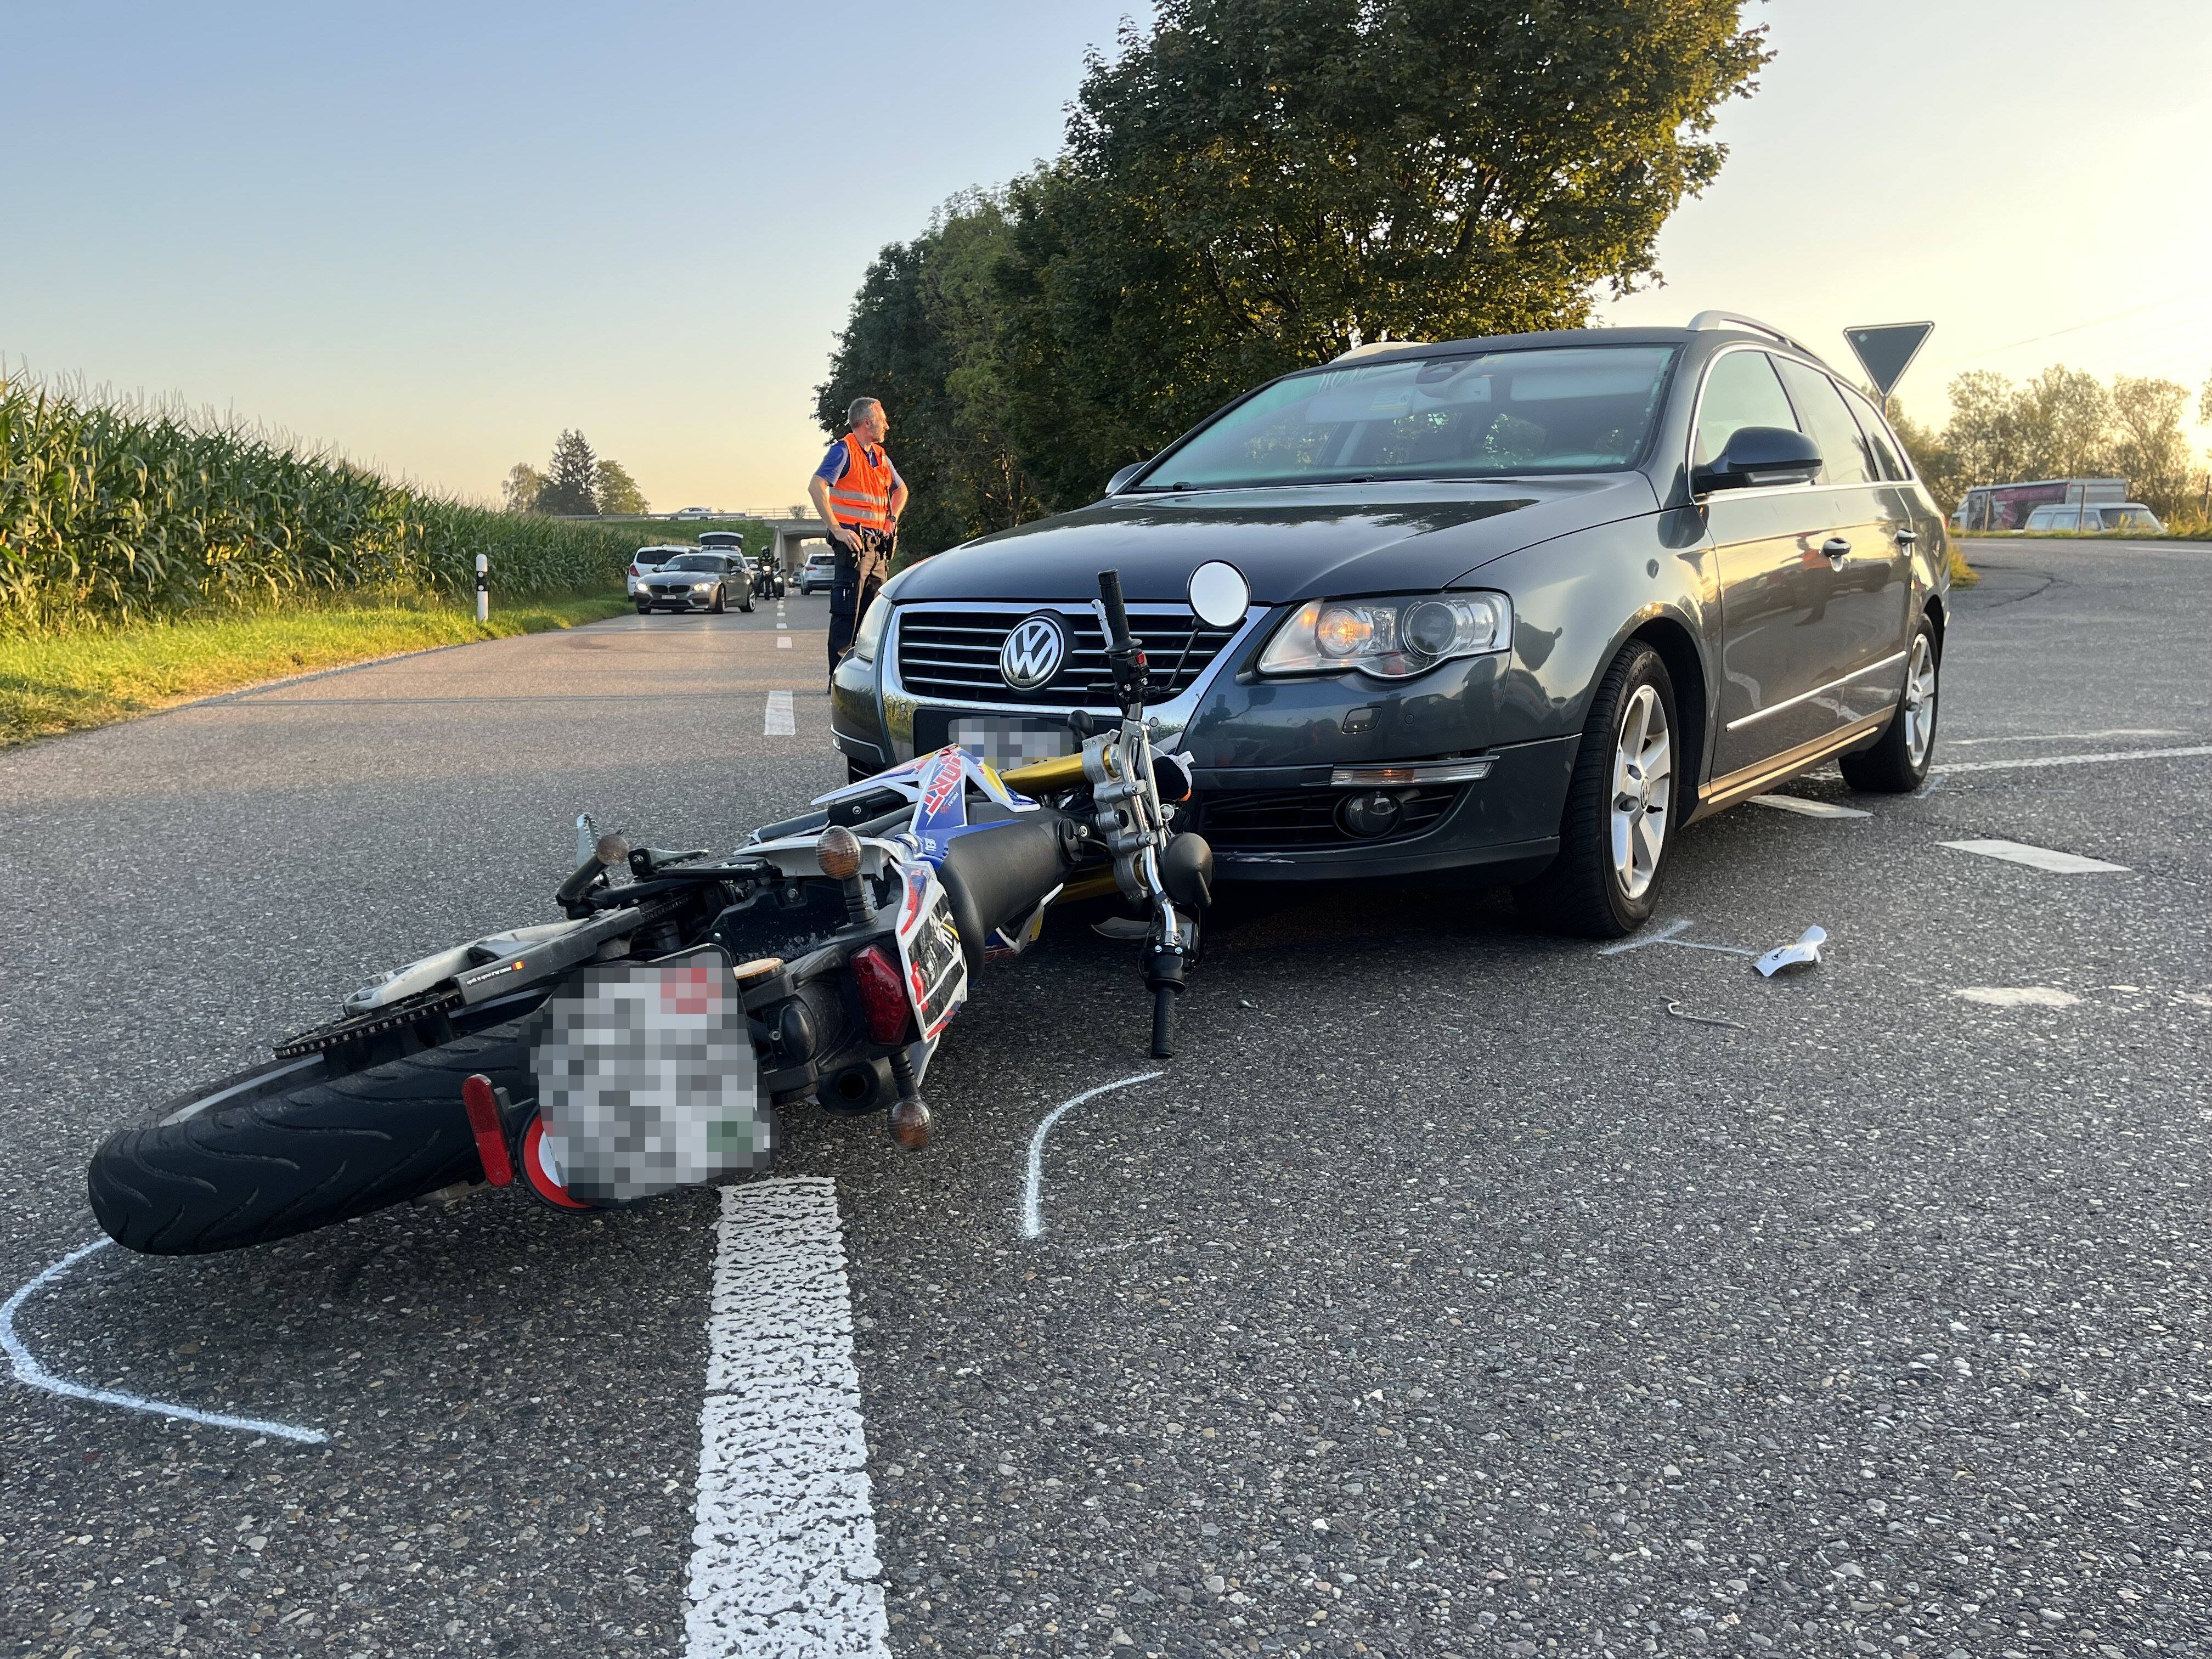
pixel 1837 547
pixel 1907 538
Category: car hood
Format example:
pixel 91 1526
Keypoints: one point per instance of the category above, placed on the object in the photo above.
pixel 1290 543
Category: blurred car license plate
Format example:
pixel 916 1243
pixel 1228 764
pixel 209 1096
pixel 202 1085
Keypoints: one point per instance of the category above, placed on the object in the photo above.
pixel 1005 743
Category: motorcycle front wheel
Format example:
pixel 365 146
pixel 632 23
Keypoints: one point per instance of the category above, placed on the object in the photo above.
pixel 285 1148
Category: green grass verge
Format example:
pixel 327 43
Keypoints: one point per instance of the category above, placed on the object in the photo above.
pixel 52 683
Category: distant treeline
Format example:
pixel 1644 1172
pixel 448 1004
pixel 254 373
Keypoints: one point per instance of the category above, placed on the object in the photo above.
pixel 1255 185
pixel 113 512
pixel 2066 424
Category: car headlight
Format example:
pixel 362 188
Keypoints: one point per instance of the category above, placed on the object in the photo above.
pixel 703 587
pixel 1389 638
pixel 871 632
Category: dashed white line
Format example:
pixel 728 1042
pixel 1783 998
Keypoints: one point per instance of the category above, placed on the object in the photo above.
pixel 780 722
pixel 1033 1184
pixel 1808 807
pixel 2037 858
pixel 2070 737
pixel 2080 760
pixel 31 1373
pixel 783 1559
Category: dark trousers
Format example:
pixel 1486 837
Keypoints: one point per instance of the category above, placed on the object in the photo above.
pixel 849 595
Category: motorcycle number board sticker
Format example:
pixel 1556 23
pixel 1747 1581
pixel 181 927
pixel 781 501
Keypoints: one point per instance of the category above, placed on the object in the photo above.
pixel 646 1078
pixel 929 951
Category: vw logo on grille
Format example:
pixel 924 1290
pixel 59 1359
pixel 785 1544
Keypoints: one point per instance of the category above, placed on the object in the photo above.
pixel 1033 652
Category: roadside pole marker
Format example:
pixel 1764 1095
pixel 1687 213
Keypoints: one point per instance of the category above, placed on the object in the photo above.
pixel 31 1373
pixel 1033 1183
pixel 783 1558
pixel 781 722
pixel 2036 857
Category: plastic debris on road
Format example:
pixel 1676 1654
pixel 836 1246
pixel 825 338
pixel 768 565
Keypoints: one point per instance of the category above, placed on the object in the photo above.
pixel 1805 953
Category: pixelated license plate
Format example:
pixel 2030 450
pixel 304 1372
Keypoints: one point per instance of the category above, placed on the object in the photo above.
pixel 1010 743
pixel 930 958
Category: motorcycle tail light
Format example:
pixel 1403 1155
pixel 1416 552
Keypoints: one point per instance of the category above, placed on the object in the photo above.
pixel 882 998
pixel 488 1128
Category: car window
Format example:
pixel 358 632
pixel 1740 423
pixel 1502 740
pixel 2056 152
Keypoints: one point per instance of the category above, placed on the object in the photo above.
pixel 1740 391
pixel 694 561
pixel 1846 458
pixel 1566 408
pixel 1888 453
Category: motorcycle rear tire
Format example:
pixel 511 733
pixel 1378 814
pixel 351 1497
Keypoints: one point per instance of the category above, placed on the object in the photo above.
pixel 289 1150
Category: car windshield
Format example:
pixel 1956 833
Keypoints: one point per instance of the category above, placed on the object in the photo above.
pixel 694 561
pixel 1568 409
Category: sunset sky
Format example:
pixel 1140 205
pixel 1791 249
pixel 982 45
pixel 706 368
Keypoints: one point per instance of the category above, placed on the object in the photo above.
pixel 435 235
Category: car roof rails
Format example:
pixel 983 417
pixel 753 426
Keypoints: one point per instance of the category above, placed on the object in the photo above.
pixel 1709 319
pixel 1374 346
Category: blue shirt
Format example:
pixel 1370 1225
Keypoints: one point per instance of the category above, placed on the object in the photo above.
pixel 839 457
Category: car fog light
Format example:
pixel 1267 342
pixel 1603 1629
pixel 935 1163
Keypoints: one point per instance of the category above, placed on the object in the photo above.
pixel 1374 813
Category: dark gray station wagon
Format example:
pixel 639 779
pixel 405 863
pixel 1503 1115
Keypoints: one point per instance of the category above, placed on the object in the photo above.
pixel 1524 605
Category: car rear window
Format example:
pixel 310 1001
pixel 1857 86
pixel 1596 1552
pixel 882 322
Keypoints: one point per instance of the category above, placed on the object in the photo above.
pixel 1886 450
pixel 1843 453
pixel 1569 408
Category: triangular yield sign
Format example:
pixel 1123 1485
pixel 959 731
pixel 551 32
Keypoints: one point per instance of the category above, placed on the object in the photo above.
pixel 1887 349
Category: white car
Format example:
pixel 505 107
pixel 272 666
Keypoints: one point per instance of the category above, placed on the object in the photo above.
pixel 2096 519
pixel 820 571
pixel 648 560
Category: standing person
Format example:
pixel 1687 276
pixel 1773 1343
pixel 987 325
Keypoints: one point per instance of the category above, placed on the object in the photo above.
pixel 859 495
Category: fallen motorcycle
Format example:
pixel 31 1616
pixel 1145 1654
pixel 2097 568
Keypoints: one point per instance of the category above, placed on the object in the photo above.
pixel 647 1041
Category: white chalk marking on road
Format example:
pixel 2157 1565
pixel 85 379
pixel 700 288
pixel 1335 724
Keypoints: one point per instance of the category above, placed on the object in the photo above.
pixel 32 1374
pixel 2080 760
pixel 780 722
pixel 783 641
pixel 1667 936
pixel 2018 996
pixel 1033 1185
pixel 1811 809
pixel 2037 858
pixel 783 1556
pixel 1127 1244
pixel 2071 737
pixel 1929 787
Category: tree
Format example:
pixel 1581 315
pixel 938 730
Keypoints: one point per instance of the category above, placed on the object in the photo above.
pixel 616 490
pixel 2148 443
pixel 1257 184
pixel 525 485
pixel 571 478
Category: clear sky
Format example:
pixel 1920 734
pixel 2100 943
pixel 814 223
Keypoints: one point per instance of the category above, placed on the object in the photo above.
pixel 436 234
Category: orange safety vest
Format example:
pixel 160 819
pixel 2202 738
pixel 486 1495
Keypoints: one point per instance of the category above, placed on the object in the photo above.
pixel 861 500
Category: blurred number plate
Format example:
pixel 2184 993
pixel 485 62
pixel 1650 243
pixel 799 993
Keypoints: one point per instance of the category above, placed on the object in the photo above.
pixel 1009 743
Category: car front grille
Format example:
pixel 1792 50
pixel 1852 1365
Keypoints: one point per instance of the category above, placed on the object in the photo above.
pixel 1274 821
pixel 953 653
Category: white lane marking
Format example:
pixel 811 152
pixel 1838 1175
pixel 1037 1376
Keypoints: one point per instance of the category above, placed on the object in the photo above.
pixel 783 625
pixel 1811 809
pixel 783 641
pixel 2080 760
pixel 1667 936
pixel 1033 1184
pixel 2018 996
pixel 32 1374
pixel 2071 737
pixel 783 1556
pixel 780 722
pixel 2037 858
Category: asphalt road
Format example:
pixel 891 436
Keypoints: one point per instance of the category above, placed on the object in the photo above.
pixel 1456 1290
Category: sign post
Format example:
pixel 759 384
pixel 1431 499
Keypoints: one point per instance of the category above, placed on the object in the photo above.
pixel 483 588
pixel 1885 350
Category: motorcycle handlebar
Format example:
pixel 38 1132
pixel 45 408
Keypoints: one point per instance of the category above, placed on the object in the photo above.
pixel 1118 615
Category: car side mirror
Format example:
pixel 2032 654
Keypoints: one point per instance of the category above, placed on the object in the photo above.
pixel 1756 457
pixel 1114 484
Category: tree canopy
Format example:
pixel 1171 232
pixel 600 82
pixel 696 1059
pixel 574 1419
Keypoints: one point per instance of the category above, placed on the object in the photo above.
pixel 1254 185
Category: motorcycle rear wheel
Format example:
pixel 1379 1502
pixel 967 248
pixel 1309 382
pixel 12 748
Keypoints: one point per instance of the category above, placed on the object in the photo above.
pixel 284 1148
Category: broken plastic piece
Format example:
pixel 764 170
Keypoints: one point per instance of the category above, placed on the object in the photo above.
pixel 1803 954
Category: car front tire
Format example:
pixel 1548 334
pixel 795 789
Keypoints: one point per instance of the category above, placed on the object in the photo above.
pixel 1623 800
pixel 1898 762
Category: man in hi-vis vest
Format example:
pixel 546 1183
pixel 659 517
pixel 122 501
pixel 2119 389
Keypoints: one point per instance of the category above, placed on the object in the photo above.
pixel 859 495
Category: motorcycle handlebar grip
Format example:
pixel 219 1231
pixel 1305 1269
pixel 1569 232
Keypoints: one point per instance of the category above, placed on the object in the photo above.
pixel 1118 615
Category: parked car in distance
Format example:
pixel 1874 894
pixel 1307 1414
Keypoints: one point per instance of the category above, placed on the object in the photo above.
pixel 1521 606
pixel 648 560
pixel 693 513
pixel 2095 519
pixel 820 571
pixel 697 581
pixel 1991 509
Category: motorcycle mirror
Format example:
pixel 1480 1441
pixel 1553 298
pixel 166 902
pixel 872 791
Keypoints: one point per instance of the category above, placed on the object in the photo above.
pixel 1219 594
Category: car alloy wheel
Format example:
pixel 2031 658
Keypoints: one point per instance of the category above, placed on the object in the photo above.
pixel 1920 700
pixel 1642 789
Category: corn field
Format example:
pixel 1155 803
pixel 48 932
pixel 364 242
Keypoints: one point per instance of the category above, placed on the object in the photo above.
pixel 113 512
